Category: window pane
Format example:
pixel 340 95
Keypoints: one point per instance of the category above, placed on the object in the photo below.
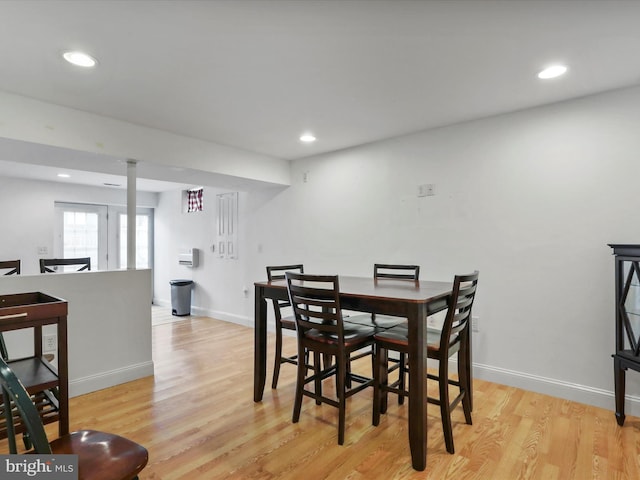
pixel 80 236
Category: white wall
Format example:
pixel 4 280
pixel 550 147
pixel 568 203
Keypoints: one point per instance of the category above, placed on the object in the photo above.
pixel 28 218
pixel 219 284
pixel 531 199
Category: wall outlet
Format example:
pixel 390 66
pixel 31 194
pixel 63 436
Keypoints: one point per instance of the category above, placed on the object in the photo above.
pixel 49 343
pixel 43 250
pixel 426 190
pixel 474 324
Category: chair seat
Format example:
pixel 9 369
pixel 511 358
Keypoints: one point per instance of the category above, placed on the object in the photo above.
pixel 399 336
pixel 288 322
pixel 102 456
pixel 379 322
pixel 353 335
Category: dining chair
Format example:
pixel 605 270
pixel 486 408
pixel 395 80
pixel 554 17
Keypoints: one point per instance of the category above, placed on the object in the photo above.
pixel 12 267
pixel 452 339
pixel 51 265
pixel 383 271
pixel 387 271
pixel 321 330
pixel 277 272
pixel 101 456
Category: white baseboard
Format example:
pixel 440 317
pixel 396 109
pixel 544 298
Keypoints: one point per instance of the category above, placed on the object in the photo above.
pixel 83 385
pixel 557 388
pixel 224 316
pixel 549 386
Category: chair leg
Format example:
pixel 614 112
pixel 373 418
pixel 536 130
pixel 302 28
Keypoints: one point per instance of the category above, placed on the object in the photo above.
pixel 297 404
pixel 464 385
pixel 278 358
pixel 445 406
pixel 402 369
pixel 379 380
pixel 341 376
pixel 317 368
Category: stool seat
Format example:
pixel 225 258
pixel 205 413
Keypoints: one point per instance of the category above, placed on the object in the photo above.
pixel 102 456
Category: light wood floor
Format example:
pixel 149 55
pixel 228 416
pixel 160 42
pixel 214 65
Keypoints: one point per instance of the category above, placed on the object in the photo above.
pixel 198 420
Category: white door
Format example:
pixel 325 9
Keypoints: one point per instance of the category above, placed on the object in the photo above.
pixel 81 231
pixel 144 237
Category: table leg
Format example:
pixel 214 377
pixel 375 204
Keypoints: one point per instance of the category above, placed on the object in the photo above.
pixel 260 345
pixel 417 387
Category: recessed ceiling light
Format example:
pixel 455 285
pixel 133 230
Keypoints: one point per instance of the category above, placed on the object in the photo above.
pixel 307 138
pixel 64 175
pixel 552 72
pixel 80 59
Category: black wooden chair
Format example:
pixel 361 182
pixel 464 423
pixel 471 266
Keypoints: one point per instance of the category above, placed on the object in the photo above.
pixel 382 271
pixel 454 338
pixel 101 456
pixel 11 267
pixel 276 272
pixel 51 265
pixel 320 329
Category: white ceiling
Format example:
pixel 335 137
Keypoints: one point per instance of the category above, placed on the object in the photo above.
pixel 256 74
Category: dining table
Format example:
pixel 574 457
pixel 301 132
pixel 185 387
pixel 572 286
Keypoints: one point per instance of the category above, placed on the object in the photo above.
pixel 413 300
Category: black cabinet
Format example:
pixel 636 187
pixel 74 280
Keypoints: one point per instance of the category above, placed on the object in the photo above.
pixel 627 353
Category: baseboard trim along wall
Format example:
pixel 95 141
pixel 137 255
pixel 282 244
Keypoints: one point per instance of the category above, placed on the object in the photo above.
pixel 91 383
pixel 549 386
pixel 556 388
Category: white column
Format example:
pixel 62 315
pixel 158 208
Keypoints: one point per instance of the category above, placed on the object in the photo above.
pixel 131 214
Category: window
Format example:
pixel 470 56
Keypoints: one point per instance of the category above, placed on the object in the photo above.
pixel 100 232
pixel 143 240
pixel 195 200
pixel 81 231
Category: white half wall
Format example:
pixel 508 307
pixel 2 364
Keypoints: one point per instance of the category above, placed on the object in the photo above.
pixel 109 324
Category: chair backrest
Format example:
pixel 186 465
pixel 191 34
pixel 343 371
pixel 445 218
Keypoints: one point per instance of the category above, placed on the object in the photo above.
pixel 13 267
pixel 403 272
pixel 277 272
pixel 316 303
pixel 49 265
pixel 456 323
pixel 14 391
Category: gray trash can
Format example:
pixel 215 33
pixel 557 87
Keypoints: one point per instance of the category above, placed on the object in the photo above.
pixel 181 297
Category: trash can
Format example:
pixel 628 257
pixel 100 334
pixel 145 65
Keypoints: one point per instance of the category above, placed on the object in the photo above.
pixel 181 297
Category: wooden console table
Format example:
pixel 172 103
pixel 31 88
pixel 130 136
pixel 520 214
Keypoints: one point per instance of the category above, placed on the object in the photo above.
pixel 48 386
